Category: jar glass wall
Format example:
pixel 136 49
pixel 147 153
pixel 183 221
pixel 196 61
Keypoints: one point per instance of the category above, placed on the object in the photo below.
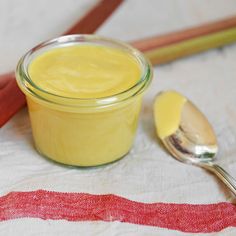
pixel 83 131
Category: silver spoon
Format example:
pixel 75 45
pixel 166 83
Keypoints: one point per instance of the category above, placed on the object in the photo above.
pixel 194 141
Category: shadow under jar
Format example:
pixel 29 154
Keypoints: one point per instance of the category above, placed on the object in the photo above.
pixel 83 131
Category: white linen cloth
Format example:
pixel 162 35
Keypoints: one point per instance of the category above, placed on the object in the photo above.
pixel 147 173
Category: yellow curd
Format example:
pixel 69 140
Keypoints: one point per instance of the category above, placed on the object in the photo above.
pixel 85 71
pixel 84 96
pixel 167 112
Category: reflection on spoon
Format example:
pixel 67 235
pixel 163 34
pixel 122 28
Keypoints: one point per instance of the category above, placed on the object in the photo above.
pixel 187 134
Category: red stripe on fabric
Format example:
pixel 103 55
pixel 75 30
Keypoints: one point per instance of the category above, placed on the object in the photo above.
pixel 88 207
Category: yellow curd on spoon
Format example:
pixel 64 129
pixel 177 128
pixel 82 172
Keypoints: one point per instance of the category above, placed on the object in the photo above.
pixel 167 112
pixel 84 99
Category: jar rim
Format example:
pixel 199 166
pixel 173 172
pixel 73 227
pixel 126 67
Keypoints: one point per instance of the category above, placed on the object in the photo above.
pixel 30 88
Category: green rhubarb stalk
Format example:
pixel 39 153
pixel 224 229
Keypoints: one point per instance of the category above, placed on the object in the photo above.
pixel 188 47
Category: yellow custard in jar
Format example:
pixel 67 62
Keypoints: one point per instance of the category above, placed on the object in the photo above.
pixel 84 96
pixel 85 71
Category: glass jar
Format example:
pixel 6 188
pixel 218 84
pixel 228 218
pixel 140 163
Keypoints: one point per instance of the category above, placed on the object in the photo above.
pixel 83 132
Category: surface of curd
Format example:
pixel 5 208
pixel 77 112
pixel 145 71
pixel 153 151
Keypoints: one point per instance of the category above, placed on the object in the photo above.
pixel 85 71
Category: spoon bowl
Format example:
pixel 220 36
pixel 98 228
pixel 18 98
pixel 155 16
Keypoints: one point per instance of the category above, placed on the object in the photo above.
pixel 194 141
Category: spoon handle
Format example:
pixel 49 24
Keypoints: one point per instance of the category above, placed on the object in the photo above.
pixel 225 177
